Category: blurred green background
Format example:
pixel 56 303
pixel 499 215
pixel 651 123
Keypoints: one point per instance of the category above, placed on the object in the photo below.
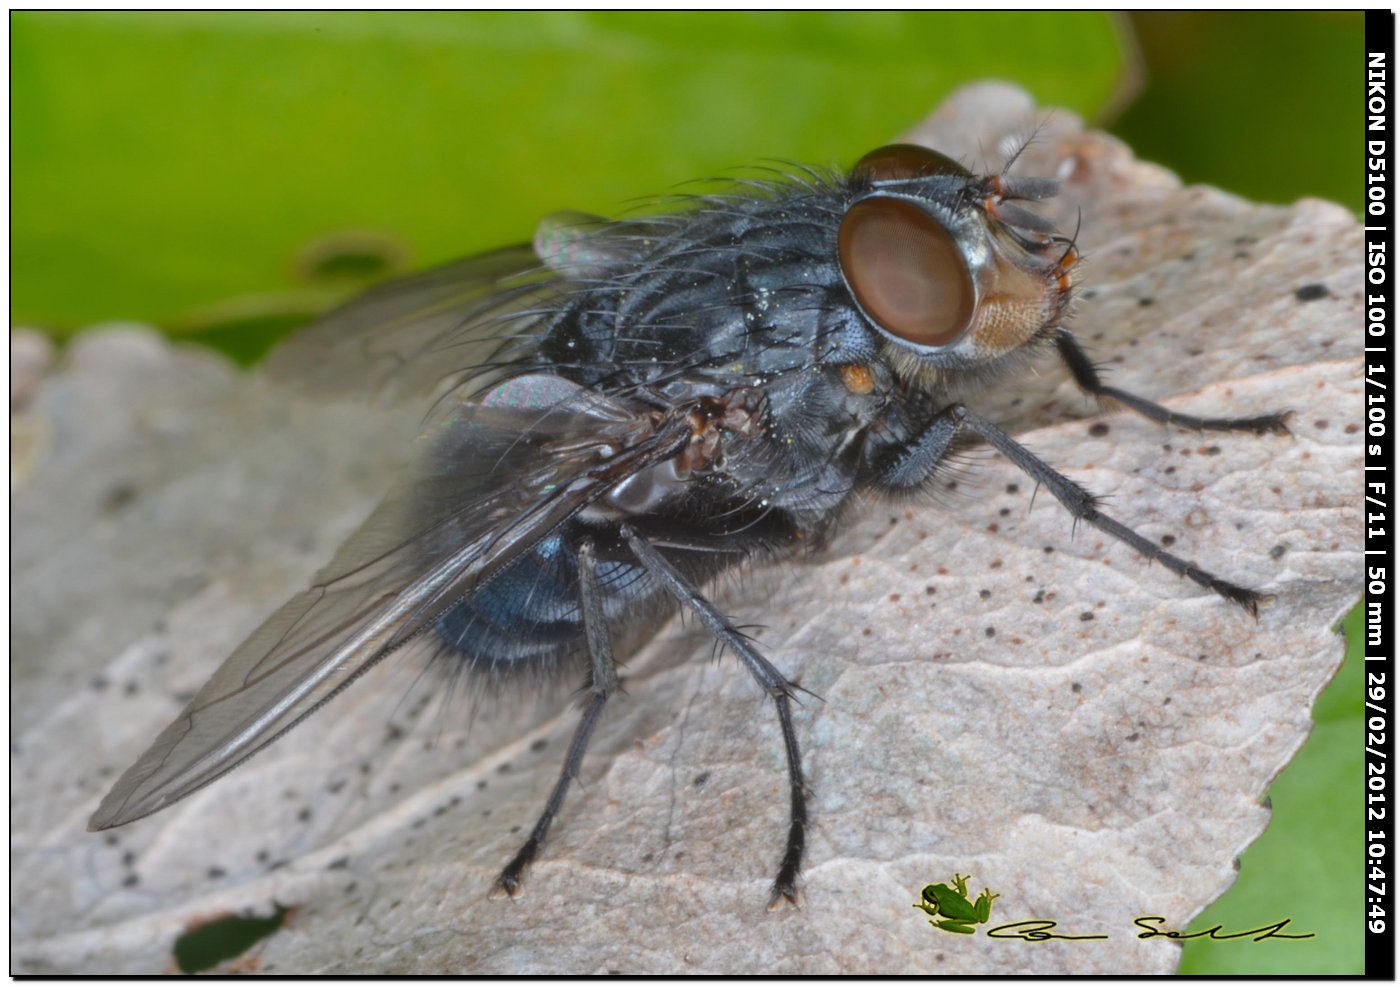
pixel 226 175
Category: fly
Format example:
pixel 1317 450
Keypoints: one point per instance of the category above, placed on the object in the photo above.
pixel 641 406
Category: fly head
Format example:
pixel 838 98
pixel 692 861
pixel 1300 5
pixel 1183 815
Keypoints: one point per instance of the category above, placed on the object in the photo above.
pixel 946 268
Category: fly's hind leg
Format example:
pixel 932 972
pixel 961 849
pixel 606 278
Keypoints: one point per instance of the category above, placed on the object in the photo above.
pixel 602 682
pixel 769 678
pixel 1086 375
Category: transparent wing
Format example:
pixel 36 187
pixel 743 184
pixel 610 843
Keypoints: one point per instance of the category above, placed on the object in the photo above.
pixel 407 337
pixel 402 339
pixel 493 476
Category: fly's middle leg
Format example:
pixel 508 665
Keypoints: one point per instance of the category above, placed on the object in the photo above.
pixel 602 683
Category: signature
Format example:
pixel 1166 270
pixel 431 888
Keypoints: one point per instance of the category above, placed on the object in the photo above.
pixel 1215 934
pixel 1039 929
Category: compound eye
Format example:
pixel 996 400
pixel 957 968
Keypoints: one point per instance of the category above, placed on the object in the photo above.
pixel 906 272
pixel 895 162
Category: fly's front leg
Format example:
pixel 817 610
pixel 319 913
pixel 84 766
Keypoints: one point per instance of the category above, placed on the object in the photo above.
pixel 602 682
pixel 918 463
pixel 772 682
pixel 1087 376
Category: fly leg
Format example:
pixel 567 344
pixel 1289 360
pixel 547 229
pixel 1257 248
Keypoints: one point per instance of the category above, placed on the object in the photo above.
pixel 1087 376
pixel 602 682
pixel 918 463
pixel 769 679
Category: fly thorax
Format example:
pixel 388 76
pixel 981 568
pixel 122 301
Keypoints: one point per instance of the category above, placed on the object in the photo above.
pixel 721 426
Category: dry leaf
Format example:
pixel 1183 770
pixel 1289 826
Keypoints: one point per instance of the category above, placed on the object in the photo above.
pixel 1085 734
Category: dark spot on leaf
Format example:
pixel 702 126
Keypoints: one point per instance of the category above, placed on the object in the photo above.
pixel 117 497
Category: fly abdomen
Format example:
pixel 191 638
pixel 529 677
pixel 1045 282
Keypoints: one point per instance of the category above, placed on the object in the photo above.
pixel 528 618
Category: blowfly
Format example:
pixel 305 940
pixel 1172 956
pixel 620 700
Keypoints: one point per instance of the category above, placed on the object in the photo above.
pixel 622 411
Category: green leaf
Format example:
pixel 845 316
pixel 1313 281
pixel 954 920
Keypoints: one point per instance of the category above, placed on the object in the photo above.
pixel 1268 105
pixel 174 167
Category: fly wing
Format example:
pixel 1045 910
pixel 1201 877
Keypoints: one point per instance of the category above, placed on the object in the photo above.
pixel 408 337
pixel 402 339
pixel 493 477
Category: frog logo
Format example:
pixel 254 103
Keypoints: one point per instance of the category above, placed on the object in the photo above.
pixel 949 909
